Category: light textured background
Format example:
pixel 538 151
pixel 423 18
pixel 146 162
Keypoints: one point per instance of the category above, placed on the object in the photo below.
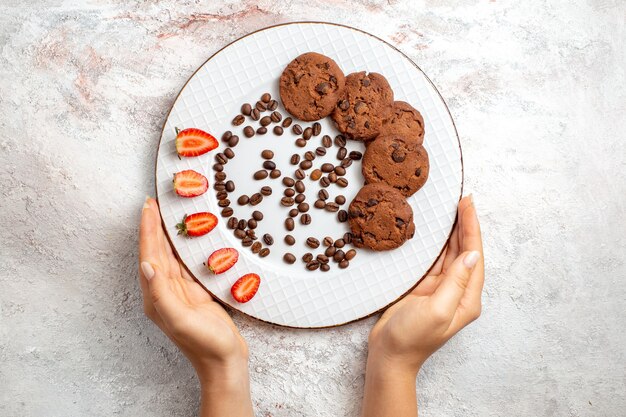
pixel 537 90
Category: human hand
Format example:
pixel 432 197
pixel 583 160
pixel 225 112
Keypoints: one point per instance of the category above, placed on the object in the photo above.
pixel 446 301
pixel 189 316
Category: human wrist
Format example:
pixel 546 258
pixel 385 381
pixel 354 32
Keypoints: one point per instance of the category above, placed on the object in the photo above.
pixel 223 375
pixel 393 368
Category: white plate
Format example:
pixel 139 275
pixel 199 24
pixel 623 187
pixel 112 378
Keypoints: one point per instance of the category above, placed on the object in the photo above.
pixel 290 295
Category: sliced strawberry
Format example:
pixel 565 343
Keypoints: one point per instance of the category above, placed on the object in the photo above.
pixel 197 224
pixel 194 142
pixel 222 260
pixel 190 183
pixel 245 288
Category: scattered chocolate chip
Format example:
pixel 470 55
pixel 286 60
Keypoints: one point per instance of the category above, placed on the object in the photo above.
pixel 322 88
pixel 297 129
pixel 278 131
pixel 305 219
pixel 256 198
pixel 399 222
pixel 317 129
pixel 289 224
pixel 264 252
pixel 260 174
pixel 418 172
pixel 238 120
pixel 371 202
pixel 290 258
pixel 398 156
pixel 290 240
pixel 227 212
pixel 344 105
pixel 266 190
pixel 248 131
pixel 257 215
pixel 287 122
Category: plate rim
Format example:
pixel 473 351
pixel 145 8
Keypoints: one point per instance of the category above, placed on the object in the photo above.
pixel 233 308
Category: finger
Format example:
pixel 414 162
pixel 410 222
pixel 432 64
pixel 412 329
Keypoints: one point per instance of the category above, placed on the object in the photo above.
pixel 169 307
pixel 467 203
pixel 147 251
pixel 170 262
pixel 446 298
pixel 473 242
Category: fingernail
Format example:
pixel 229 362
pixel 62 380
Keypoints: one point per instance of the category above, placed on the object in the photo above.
pixel 146 204
pixel 147 270
pixel 471 259
pixel 471 199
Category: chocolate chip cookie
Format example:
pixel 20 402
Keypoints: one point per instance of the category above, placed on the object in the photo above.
pixel 396 161
pixel 406 122
pixel 311 85
pixel 365 106
pixel 380 218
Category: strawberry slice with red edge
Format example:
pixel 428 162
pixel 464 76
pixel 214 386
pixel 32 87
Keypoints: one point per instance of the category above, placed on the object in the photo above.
pixel 245 288
pixel 222 260
pixel 197 224
pixel 190 183
pixel 194 142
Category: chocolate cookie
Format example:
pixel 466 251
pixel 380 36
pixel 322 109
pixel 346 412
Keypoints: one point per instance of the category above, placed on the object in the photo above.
pixel 406 122
pixel 396 161
pixel 380 218
pixel 365 106
pixel 310 86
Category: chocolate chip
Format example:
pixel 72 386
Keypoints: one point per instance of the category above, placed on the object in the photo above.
pixel 290 258
pixel 227 212
pixel 306 164
pixel 246 109
pixel 275 173
pixel 287 201
pixel 371 202
pixel 299 174
pixel 340 141
pixel 252 224
pixel 289 182
pixel 260 174
pixel 256 247
pixel 327 141
pixel 418 172
pixel 342 216
pixel 360 107
pixel 332 207
pixel 230 186
pixel 255 114
pixel 366 82
pixel 305 219
pixel 243 200
pixel 342 182
pixel 355 155
pixel 233 141
pixel 341 153
pixel 287 122
pixel 313 243
pixel 344 105
pixel 327 241
pixel 398 156
pixel 269 165
pixel 303 207
pixel 289 224
pixel 297 129
pixel 238 120
pixel 276 117
pixel 290 240
pixel 256 198
pixel 248 131
pixel 308 132
pixel 317 129
pixel 320 204
pixel 323 194
pixel 278 131
pixel 262 130
pixel 257 215
pixel 399 222
pixel 300 143
pixel 264 252
pixel 324 182
pixel 323 88
pixel 266 190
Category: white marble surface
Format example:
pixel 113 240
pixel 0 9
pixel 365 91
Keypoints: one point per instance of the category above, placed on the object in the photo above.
pixel 538 94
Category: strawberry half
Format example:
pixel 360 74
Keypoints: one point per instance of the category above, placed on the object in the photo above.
pixel 194 142
pixel 197 224
pixel 222 260
pixel 245 288
pixel 190 183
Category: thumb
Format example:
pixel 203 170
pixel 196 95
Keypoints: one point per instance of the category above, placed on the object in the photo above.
pixel 165 302
pixel 447 296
